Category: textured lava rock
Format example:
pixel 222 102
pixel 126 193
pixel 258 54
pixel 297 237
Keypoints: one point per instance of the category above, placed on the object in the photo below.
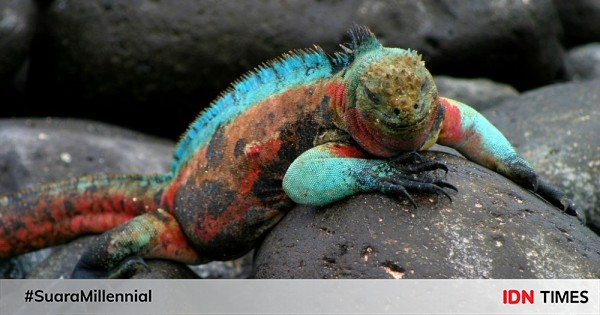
pixel 492 229
pixel 493 39
pixel 583 62
pixel 580 20
pixel 556 128
pixel 17 24
pixel 37 150
pixel 477 93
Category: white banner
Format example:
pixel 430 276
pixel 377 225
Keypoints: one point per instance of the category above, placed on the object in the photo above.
pixel 299 297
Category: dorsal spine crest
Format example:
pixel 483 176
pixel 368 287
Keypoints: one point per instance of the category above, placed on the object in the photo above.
pixel 287 71
pixel 291 69
pixel 362 40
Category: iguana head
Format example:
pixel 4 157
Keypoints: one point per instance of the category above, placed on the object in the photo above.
pixel 392 102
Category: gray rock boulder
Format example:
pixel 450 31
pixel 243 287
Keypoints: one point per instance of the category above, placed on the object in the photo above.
pixel 491 229
pixel 583 62
pixel 580 20
pixel 44 150
pixel 478 93
pixel 556 128
pixel 493 39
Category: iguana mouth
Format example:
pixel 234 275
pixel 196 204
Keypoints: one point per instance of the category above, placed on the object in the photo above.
pixel 388 121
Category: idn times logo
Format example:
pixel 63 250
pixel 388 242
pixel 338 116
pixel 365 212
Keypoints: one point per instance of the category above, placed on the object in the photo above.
pixel 547 296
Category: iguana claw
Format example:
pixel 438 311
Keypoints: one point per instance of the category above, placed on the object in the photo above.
pixel 559 200
pixel 398 183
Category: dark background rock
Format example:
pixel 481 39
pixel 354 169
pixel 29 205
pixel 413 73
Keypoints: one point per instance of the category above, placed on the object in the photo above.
pixel 580 20
pixel 556 128
pixel 493 39
pixel 164 61
pixel 583 62
pixel 478 93
pixel 492 229
pixel 17 25
pixel 45 150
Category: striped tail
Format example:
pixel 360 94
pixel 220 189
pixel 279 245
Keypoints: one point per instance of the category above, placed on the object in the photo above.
pixel 55 213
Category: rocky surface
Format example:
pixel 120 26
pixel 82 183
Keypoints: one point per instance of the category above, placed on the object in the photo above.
pixel 501 38
pixel 17 25
pixel 158 46
pixel 45 150
pixel 583 62
pixel 478 93
pixel 580 20
pixel 492 229
pixel 556 128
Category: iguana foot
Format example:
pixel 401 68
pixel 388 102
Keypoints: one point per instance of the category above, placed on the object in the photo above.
pixel 559 200
pixel 125 270
pixel 401 187
pixel 407 157
pixel 128 268
pixel 413 162
pixel 83 271
pixel 397 178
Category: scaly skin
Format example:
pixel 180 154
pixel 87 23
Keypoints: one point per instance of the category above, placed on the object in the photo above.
pixel 306 128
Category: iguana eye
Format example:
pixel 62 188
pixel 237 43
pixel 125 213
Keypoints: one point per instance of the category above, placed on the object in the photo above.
pixel 372 96
pixel 424 85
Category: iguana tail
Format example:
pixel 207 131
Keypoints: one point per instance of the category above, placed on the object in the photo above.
pixel 55 213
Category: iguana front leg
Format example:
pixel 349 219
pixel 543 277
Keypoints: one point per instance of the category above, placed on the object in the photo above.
pixel 333 171
pixel 467 131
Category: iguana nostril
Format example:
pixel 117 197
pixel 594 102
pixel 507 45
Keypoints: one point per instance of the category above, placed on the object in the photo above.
pixel 416 105
pixel 396 111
